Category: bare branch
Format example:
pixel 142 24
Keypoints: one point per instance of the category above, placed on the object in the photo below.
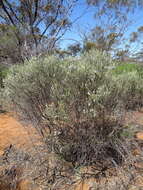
pixel 7 13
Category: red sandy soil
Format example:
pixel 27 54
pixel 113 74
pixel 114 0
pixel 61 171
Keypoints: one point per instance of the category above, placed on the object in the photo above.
pixel 12 132
pixel 136 117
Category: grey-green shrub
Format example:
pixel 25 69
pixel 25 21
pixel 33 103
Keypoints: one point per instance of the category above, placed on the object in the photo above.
pixel 131 87
pixel 75 104
pixel 3 73
pixel 50 80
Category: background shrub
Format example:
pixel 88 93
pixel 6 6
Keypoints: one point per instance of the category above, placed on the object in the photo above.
pixel 130 79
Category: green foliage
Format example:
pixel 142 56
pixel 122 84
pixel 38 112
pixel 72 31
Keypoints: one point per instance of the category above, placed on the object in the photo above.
pixel 128 132
pixel 128 67
pixel 76 104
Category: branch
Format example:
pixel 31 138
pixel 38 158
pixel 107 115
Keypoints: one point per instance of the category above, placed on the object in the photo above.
pixel 52 20
pixel 36 10
pixel 7 13
pixel 12 11
pixel 3 17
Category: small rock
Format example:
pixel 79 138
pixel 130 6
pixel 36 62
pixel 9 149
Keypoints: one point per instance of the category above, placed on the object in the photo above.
pixel 136 152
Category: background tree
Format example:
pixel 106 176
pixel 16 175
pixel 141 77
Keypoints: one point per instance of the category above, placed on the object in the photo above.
pixel 9 48
pixel 38 24
pixel 102 39
pixel 74 49
pixel 112 20
pixel 136 42
pixel 122 55
pixel 116 4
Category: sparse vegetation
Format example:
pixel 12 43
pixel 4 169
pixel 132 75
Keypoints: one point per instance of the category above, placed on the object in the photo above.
pixel 76 95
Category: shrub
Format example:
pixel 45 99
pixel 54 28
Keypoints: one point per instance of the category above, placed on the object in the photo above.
pixel 3 73
pixel 130 79
pixel 76 104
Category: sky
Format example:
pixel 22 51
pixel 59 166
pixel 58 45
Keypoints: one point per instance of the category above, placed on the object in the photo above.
pixel 86 21
pixel 83 18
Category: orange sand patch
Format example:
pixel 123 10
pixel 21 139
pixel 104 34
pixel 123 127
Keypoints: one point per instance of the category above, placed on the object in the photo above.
pixel 135 117
pixel 139 135
pixel 12 132
pixel 86 185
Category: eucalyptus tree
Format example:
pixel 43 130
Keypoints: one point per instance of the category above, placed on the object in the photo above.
pixel 112 19
pixel 38 24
